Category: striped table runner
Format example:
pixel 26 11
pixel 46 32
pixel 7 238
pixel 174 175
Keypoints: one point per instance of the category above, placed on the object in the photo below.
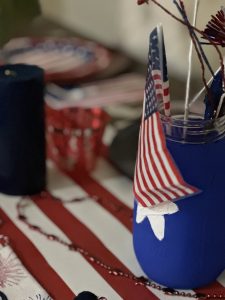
pixel 103 228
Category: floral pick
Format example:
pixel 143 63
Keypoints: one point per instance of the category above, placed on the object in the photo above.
pixel 215 29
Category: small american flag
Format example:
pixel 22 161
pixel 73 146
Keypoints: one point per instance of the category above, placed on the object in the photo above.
pixel 156 179
pixel 159 68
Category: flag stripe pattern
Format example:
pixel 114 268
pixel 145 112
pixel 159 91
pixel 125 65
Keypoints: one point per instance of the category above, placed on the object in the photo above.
pixel 157 178
pixel 166 89
pixel 64 273
pixel 159 68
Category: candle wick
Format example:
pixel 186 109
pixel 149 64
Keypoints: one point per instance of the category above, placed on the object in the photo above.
pixel 10 73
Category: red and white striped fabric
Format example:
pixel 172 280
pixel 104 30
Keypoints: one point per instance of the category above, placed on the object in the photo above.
pixel 103 228
pixel 166 86
pixel 158 84
pixel 159 70
pixel 157 178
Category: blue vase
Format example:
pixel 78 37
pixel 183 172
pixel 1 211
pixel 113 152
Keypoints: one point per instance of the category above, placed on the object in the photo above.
pixel 192 252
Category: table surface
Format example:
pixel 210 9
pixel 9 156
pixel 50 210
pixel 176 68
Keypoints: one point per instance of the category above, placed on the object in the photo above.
pixel 104 229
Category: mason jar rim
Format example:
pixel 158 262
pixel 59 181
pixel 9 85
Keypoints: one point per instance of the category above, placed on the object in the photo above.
pixel 195 130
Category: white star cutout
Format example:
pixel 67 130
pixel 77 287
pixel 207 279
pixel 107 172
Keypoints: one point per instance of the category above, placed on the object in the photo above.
pixel 156 217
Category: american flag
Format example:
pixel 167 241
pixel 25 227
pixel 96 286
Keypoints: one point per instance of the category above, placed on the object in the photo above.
pixel 159 68
pixel 157 179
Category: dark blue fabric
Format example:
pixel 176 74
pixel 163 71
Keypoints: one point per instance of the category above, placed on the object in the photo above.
pixel 212 98
pixel 22 136
pixel 3 296
pixel 86 296
pixel 192 254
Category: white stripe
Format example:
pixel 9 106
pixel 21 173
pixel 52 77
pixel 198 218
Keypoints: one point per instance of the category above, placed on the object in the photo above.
pixel 138 177
pixel 167 99
pixel 155 156
pixel 113 182
pixel 157 81
pixel 169 169
pixel 114 188
pixel 26 287
pixel 54 60
pixel 94 216
pixel 145 175
pixel 145 141
pixel 149 159
pixel 140 155
pixel 75 271
pixel 166 163
pixel 109 178
pixel 157 161
pixel 156 72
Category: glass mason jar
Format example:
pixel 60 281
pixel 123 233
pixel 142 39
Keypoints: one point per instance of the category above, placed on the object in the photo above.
pixel 192 252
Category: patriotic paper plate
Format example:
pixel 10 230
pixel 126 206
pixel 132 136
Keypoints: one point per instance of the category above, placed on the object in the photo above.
pixel 64 60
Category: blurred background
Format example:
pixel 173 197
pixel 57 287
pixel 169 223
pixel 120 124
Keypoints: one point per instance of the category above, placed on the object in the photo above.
pixel 122 28
pixel 118 24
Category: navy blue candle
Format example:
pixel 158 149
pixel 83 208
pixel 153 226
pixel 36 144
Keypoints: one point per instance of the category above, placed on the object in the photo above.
pixel 22 134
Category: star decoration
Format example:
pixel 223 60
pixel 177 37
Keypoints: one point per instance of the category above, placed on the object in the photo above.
pixel 155 216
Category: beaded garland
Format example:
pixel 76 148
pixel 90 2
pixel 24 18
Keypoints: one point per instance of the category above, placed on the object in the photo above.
pixel 138 281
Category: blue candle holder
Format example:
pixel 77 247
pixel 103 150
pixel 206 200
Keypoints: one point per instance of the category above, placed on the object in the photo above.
pixel 192 252
pixel 22 130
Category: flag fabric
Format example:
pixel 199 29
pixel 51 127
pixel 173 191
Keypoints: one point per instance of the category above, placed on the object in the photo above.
pixel 159 68
pixel 157 178
pixel 165 79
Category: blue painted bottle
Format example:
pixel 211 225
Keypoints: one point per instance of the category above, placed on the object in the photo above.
pixel 192 253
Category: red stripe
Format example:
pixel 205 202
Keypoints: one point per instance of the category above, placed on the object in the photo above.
pixel 95 186
pixel 146 125
pixel 163 141
pixel 34 262
pixel 158 87
pixel 92 187
pixel 214 288
pixel 160 159
pixel 151 201
pixel 79 234
pixel 167 105
pixel 136 185
pixel 140 190
pixel 170 160
pixel 156 77
pixel 139 198
pixel 136 194
pixel 165 171
pixel 166 92
pixel 151 134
